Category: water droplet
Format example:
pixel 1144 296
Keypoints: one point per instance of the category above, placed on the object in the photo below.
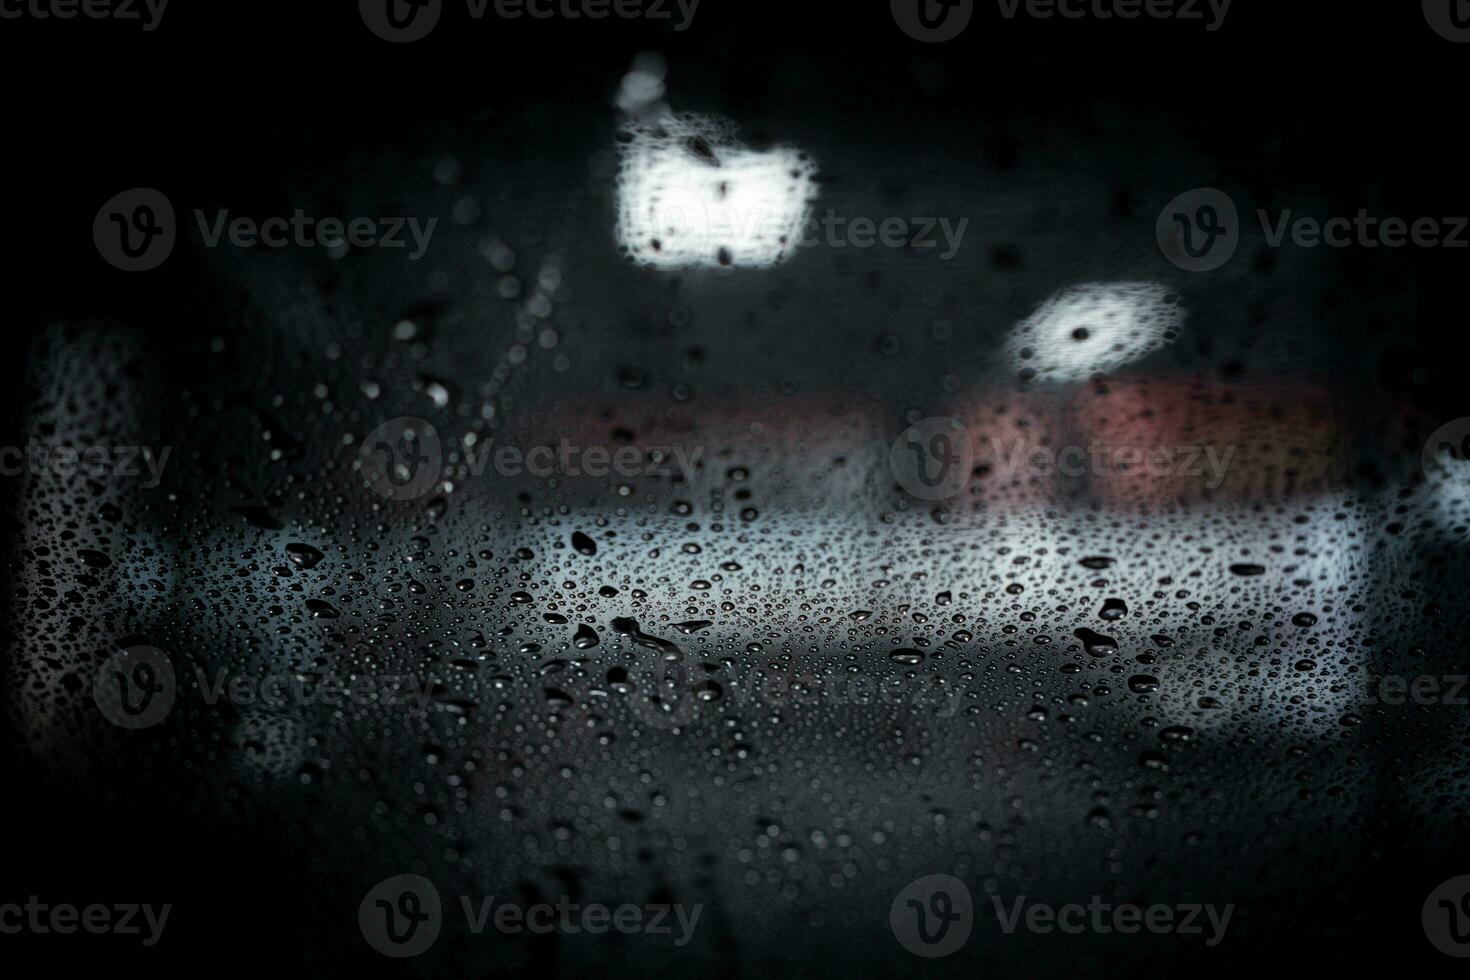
pixel 303 555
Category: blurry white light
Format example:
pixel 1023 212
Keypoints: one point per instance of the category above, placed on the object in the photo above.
pixel 690 195
pixel 1092 329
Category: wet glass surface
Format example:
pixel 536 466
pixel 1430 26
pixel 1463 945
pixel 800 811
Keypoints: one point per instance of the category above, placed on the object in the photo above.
pixel 569 562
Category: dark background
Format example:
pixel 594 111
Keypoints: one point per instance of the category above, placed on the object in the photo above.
pixel 263 106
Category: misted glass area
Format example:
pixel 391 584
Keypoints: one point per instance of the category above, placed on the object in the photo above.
pixel 738 493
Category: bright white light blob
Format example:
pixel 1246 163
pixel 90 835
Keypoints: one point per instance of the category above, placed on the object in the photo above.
pixel 1092 329
pixel 690 195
